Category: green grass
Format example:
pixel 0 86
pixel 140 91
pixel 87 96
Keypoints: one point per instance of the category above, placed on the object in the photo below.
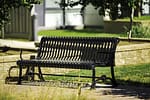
pixel 79 33
pixel 131 75
pixel 136 75
pixel 85 33
pixel 12 92
pixel 14 52
pixel 142 18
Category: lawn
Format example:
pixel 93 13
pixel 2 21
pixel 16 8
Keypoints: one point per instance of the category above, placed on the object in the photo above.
pixel 14 52
pixel 142 18
pixel 131 74
pixel 84 33
pixel 79 33
pixel 14 92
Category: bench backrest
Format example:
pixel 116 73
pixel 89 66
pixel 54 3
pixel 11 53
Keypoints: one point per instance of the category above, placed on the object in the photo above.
pixel 95 49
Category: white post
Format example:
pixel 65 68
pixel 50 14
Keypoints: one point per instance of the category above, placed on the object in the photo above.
pixel 2 32
pixel 34 27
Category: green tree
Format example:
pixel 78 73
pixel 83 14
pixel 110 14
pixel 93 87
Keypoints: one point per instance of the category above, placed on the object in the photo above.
pixel 112 6
pixel 63 4
pixel 101 5
pixel 6 5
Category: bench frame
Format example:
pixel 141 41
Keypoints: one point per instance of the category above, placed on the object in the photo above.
pixel 32 63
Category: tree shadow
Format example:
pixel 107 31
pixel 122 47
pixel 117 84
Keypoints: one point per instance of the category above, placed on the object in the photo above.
pixel 130 89
pixel 89 31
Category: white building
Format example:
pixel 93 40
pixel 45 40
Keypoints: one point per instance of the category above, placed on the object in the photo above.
pixel 146 7
pixel 50 15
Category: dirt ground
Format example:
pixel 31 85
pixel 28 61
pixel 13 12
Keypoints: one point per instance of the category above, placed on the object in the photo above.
pixel 122 92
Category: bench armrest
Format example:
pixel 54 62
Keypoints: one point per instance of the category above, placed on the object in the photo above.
pixel 31 56
pixel 21 54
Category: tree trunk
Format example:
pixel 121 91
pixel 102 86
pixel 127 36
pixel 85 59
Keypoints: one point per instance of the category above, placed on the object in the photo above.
pixel 2 32
pixel 138 9
pixel 131 23
pixel 64 14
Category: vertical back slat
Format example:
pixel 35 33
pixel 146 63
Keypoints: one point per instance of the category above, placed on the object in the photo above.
pixel 78 49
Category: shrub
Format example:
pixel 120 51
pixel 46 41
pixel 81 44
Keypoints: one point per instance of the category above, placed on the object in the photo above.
pixel 140 31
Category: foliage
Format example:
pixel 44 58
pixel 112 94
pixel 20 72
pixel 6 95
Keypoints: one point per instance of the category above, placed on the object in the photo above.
pixel 6 5
pixel 112 5
pixel 140 31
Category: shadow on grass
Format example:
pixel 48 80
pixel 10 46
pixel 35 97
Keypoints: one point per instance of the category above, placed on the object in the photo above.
pixel 89 31
pixel 131 89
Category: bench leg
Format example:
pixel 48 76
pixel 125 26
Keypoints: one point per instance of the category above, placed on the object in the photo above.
pixel 93 77
pixel 30 73
pixel 113 77
pixel 32 70
pixel 27 73
pixel 40 74
pixel 20 75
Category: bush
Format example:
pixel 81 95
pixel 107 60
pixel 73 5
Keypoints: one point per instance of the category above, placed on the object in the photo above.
pixel 140 31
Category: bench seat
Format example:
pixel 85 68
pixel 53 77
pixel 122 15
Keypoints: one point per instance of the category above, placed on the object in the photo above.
pixel 57 63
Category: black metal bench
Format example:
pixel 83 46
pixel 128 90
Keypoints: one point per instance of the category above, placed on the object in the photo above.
pixel 74 53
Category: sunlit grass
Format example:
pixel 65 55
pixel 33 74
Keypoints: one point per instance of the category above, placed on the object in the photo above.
pixel 85 33
pixel 13 92
pixel 79 33
pixel 130 74
pixel 15 52
pixel 6 93
pixel 142 18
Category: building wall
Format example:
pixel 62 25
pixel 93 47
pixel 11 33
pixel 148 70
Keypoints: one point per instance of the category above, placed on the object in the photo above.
pixel 92 18
pixel 39 9
pixel 53 18
pixel 52 15
pixel 146 7
pixel 74 17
